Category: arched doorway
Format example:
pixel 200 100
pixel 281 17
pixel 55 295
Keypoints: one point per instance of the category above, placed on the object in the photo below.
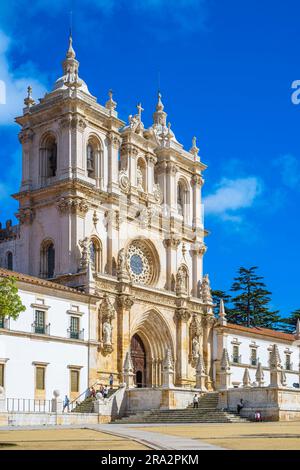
pixel 138 356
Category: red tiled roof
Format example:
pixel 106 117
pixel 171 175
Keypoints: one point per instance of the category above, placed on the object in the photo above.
pixel 262 331
pixel 38 281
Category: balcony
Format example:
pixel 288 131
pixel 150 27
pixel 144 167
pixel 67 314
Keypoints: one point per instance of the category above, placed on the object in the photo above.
pixel 40 329
pixel 4 323
pixel 254 361
pixel 236 359
pixel 75 334
pixel 288 366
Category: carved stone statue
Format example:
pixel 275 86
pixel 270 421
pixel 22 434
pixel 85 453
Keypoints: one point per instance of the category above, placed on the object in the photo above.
pixel 122 272
pixel 181 281
pixel 85 253
pixel 195 347
pixel 139 178
pixel 107 333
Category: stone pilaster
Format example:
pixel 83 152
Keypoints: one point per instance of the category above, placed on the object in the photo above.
pixel 171 244
pixel 197 182
pixel 182 317
pixel 208 322
pixel 124 303
pixel 198 250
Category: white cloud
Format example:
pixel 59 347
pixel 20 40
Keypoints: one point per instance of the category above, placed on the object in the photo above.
pixel 231 196
pixel 289 168
pixel 15 82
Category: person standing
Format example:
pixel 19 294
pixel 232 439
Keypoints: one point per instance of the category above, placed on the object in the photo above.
pixel 66 404
pixel 105 392
pixel 240 405
pixel 195 401
pixel 111 381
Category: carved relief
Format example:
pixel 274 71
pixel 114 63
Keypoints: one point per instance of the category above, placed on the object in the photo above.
pixel 72 205
pixel 124 182
pixel 26 215
pixel 195 335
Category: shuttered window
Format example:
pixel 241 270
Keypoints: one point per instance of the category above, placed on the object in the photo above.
pixel 1 375
pixel 74 380
pixel 40 378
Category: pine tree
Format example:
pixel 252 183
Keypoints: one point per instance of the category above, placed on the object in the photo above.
pixel 251 305
pixel 217 295
pixel 289 323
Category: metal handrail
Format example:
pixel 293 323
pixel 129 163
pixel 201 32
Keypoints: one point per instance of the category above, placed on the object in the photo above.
pixel 83 393
pixel 75 334
pixel 236 359
pixel 45 330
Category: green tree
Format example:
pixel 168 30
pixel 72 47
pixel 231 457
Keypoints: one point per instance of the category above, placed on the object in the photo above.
pixel 251 304
pixel 10 301
pixel 217 295
pixel 289 323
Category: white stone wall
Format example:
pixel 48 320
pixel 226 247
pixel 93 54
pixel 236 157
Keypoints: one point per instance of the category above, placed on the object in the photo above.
pixel 264 344
pixel 20 348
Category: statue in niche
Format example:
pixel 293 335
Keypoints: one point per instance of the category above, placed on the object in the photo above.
pixel 121 260
pixel 139 178
pixel 195 348
pixel 107 333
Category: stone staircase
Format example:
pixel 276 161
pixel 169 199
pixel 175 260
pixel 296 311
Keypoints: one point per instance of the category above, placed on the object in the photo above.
pixel 206 413
pixel 87 405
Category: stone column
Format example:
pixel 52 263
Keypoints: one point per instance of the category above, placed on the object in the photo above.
pixel 115 141
pixel 124 302
pixel 171 244
pixel 275 368
pixel 171 190
pixel 26 138
pixel 151 160
pixel 208 322
pixel 198 250
pixel 112 228
pixel 197 182
pixel 182 316
pixel 56 402
pixel 2 400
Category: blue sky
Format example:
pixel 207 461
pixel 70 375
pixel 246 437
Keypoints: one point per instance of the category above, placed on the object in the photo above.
pixel 226 69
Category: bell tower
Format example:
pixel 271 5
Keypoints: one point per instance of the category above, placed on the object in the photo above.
pixel 70 146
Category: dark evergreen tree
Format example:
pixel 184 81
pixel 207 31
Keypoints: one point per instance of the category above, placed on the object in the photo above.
pixel 289 323
pixel 217 295
pixel 251 304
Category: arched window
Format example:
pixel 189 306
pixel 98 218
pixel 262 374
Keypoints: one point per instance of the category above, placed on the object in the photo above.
pixel 90 160
pixel 9 261
pixel 48 157
pixel 47 259
pixel 141 175
pixel 180 198
pixel 96 254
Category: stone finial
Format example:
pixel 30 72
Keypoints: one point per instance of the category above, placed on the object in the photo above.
pixel 128 364
pixel 70 52
pixel 29 101
pixel 297 332
pixel 225 363
pixel 246 378
pixel 90 280
pixel 222 320
pixel 194 150
pixel 168 370
pixel 259 375
pixel 283 378
pixel 225 371
pixel 168 360
pixel 140 110
pixel 206 290
pixel 275 361
pixel 200 374
pixel 110 103
pixel 160 116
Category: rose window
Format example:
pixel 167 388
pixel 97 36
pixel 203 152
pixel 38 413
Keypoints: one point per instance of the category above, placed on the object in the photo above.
pixel 140 263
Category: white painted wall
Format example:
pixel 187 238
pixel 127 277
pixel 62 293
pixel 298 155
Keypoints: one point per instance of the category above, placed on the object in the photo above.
pixel 20 348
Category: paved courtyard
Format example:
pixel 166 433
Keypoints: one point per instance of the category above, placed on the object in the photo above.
pixel 248 436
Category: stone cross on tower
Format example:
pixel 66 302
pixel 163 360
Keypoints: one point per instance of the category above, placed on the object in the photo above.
pixel 140 110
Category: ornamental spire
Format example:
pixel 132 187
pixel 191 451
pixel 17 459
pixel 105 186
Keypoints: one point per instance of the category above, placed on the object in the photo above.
pixel 222 320
pixel 160 117
pixel 70 53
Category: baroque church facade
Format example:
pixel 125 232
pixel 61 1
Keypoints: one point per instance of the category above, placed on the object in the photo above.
pixel 108 255
pixel 114 209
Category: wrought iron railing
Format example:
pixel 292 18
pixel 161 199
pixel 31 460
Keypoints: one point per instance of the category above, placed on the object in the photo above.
pixel 236 359
pixel 40 329
pixel 28 405
pixel 75 334
pixel 254 361
pixel 4 323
